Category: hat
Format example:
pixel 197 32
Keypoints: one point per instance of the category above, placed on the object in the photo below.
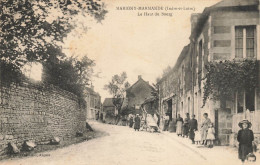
pixel 244 121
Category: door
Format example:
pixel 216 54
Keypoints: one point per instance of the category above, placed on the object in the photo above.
pixel 169 111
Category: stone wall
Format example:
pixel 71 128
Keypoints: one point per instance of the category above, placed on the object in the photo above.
pixel 38 113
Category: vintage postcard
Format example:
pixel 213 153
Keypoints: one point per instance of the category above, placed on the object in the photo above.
pixel 122 82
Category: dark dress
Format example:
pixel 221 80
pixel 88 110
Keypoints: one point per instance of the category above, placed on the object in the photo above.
pixel 186 127
pixel 131 122
pixel 137 123
pixel 193 126
pixel 245 138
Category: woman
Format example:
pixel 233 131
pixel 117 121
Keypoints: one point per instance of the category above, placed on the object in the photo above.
pixel 204 128
pixel 137 123
pixel 186 125
pixel 131 122
pixel 245 138
pixel 179 122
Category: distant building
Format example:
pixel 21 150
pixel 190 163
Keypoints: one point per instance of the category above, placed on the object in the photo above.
pixel 93 100
pixel 137 94
pixel 228 30
pixel 109 107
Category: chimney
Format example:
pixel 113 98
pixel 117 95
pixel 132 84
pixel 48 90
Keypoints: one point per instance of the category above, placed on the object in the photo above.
pixel 194 20
pixel 139 77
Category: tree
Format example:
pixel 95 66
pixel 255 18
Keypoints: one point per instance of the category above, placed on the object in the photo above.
pixel 116 87
pixel 70 74
pixel 166 71
pixel 155 92
pixel 33 30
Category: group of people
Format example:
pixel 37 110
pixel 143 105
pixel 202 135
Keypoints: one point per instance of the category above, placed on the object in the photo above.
pixel 206 135
pixel 189 128
pixel 135 121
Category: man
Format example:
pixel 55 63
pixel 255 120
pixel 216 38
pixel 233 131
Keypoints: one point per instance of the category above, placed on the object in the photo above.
pixel 193 127
pixel 137 122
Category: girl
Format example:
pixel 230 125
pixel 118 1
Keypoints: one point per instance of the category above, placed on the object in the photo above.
pixel 245 138
pixel 197 137
pixel 211 135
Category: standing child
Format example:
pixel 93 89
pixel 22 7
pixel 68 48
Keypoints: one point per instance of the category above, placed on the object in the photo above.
pixel 197 137
pixel 245 138
pixel 211 135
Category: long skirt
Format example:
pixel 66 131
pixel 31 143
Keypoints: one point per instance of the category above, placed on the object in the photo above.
pixel 131 123
pixel 203 134
pixel 244 150
pixel 185 130
pixel 179 128
pixel 191 134
pixel 137 125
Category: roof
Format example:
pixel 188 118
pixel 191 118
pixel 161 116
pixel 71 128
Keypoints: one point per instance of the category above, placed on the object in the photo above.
pixel 149 100
pixel 232 3
pixel 224 4
pixel 140 79
pixel 184 53
pixel 108 102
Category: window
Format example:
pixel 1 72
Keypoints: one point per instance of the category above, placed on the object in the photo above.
pixel 181 107
pixel 245 41
pixel 240 102
pixel 250 100
pixel 189 105
pixel 245 100
pixel 200 63
pixel 250 41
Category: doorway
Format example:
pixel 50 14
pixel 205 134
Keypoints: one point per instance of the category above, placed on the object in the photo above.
pixel 169 111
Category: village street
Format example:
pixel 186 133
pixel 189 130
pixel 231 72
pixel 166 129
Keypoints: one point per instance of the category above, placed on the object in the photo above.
pixel 125 146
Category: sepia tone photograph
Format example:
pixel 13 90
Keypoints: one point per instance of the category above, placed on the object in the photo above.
pixel 122 82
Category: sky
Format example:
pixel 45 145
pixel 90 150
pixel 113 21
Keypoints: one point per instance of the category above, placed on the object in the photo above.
pixel 138 45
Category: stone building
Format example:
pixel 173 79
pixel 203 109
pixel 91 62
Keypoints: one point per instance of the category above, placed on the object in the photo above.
pixel 93 100
pixel 109 107
pixel 228 30
pixel 137 94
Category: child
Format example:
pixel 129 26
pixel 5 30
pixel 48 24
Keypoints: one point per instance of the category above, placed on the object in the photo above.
pixel 197 137
pixel 211 135
pixel 245 138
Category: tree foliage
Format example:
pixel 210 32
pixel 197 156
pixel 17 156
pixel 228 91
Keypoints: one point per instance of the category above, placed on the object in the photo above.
pixel 31 29
pixel 34 30
pixel 70 74
pixel 155 92
pixel 116 87
pixel 224 78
